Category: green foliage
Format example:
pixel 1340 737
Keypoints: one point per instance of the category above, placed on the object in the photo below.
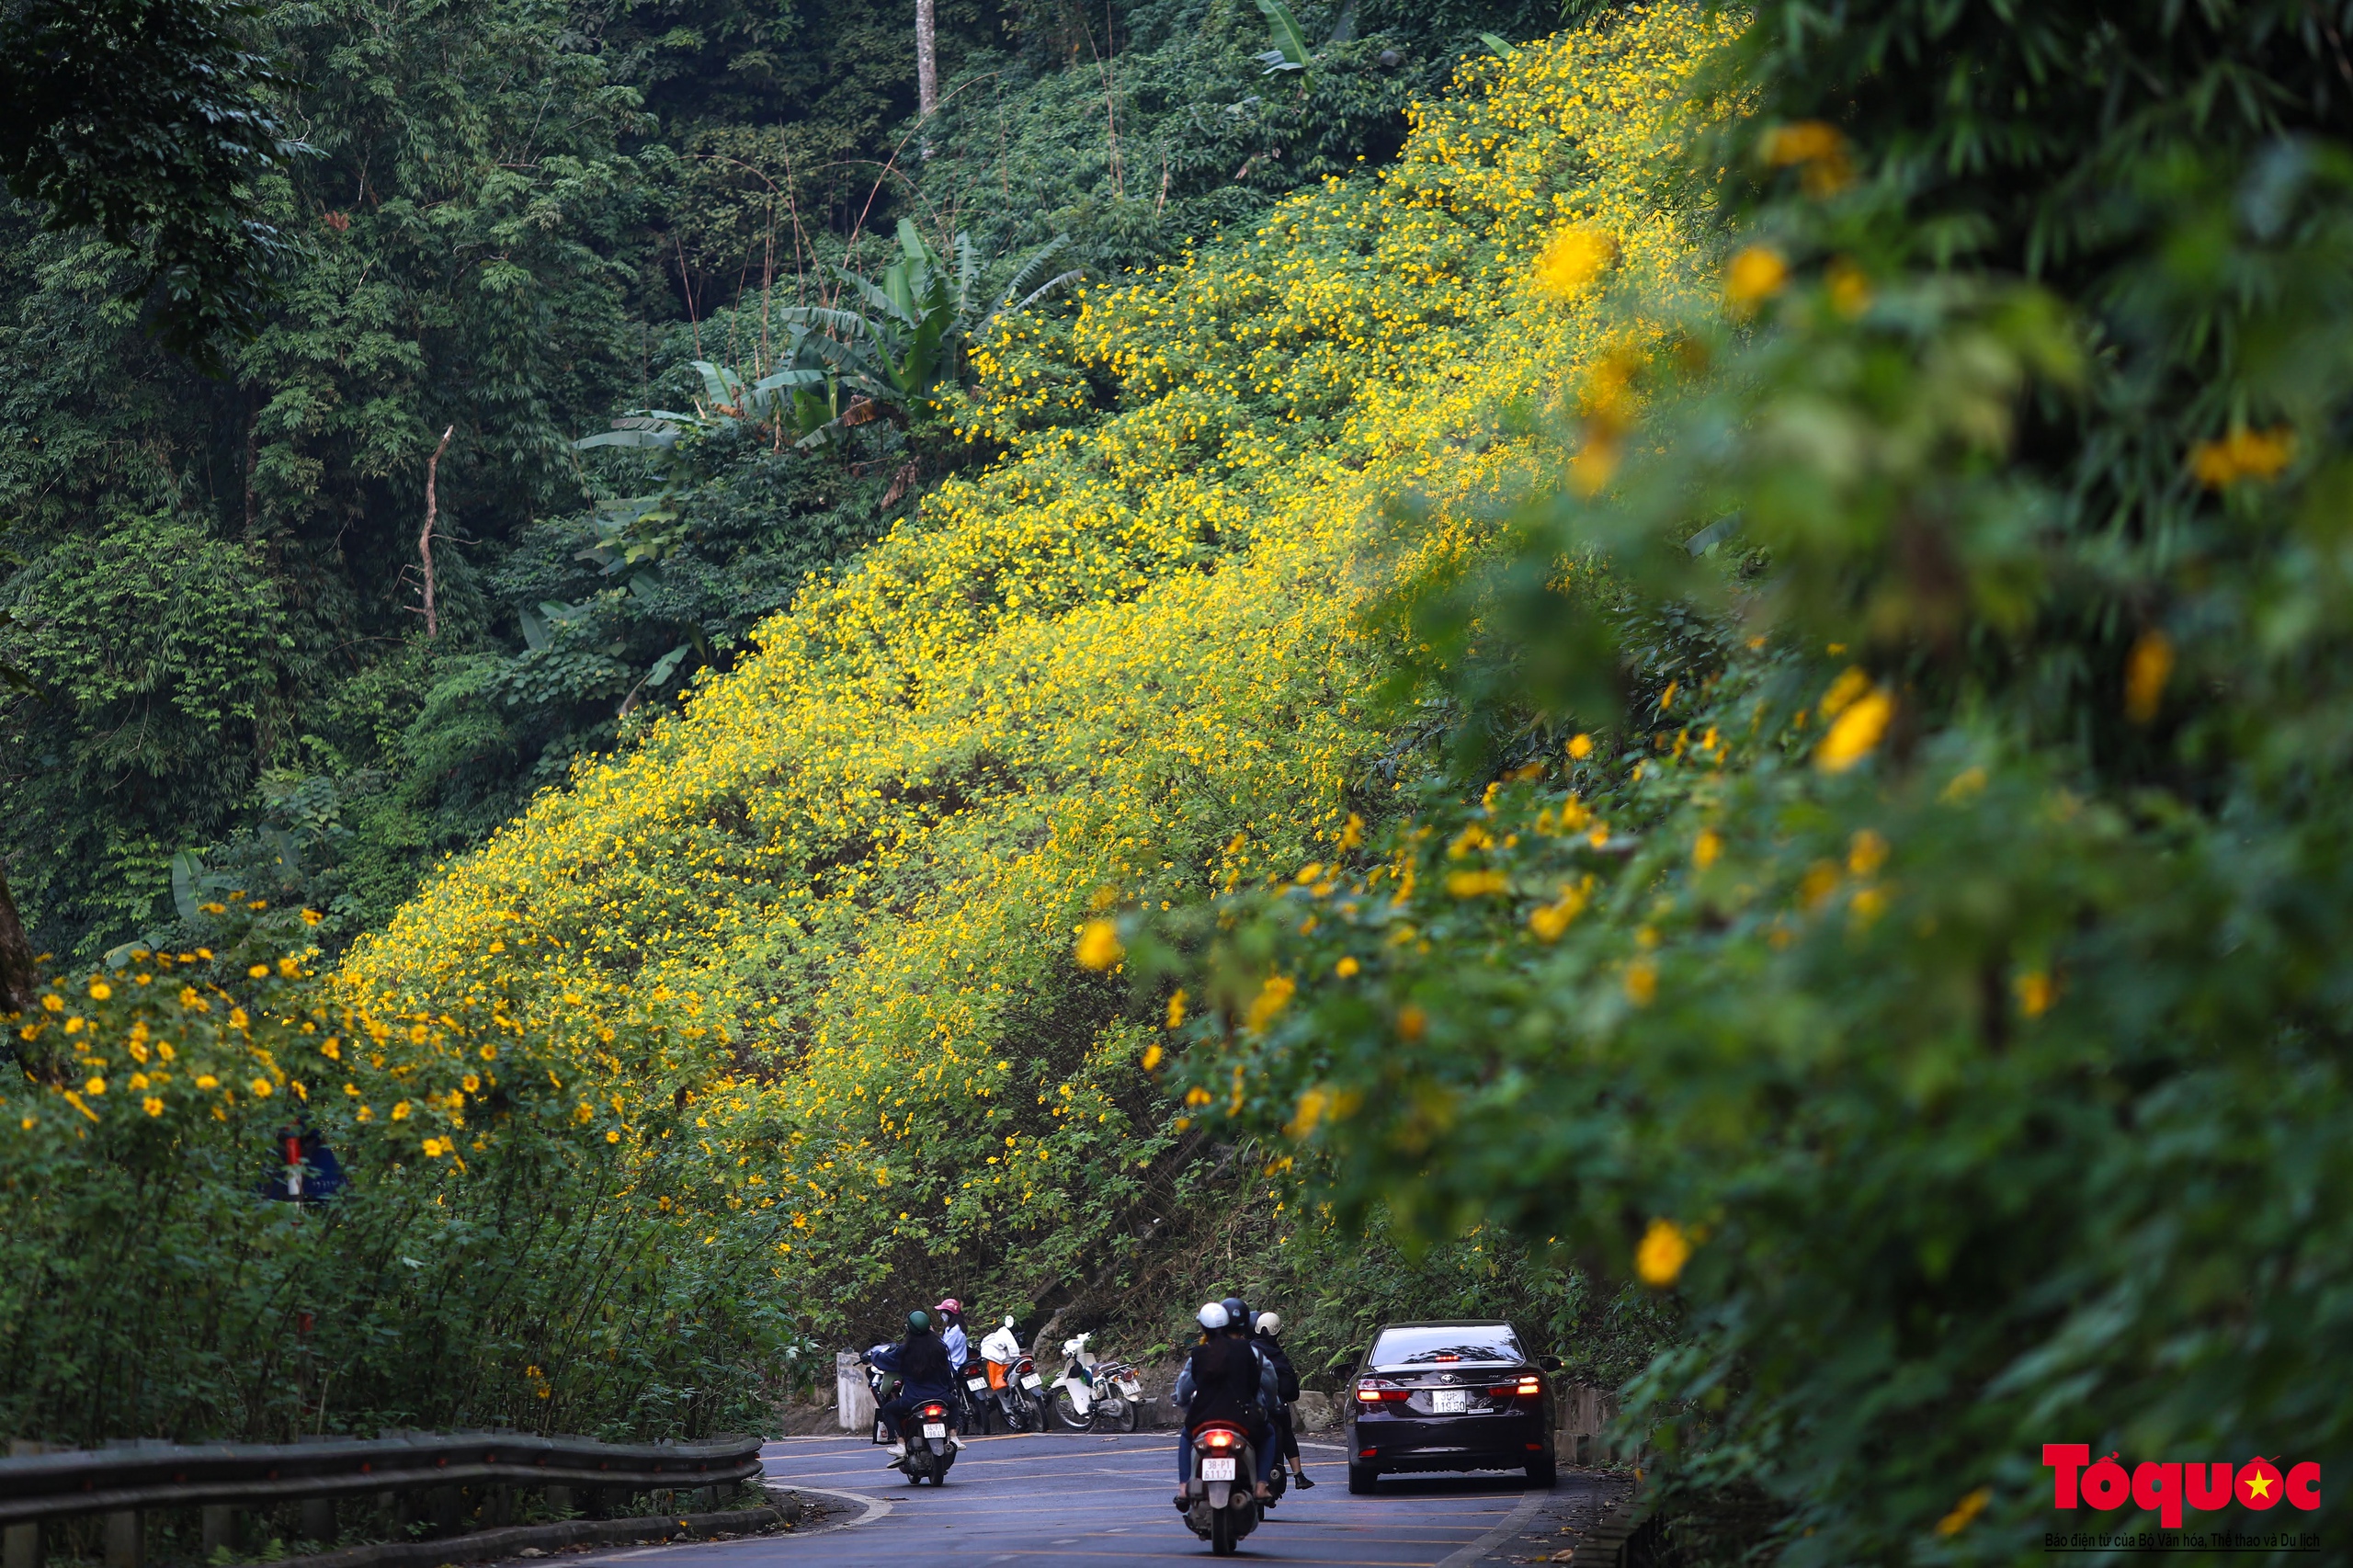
pixel 1936 925
pixel 916 330
pixel 1336 1285
pixel 505 232
pixel 149 120
pixel 494 1258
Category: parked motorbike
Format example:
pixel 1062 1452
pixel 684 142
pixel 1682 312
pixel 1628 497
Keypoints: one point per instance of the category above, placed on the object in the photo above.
pixel 1013 1392
pixel 978 1399
pixel 1090 1391
pixel 1221 1506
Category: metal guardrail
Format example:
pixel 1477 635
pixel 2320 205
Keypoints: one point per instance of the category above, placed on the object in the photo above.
pixel 167 1475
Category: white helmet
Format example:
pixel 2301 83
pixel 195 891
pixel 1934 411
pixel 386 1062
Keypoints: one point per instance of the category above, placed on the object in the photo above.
pixel 1008 1320
pixel 1213 1316
pixel 1270 1322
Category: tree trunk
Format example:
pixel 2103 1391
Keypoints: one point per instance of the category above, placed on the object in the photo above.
pixel 425 540
pixel 926 67
pixel 19 981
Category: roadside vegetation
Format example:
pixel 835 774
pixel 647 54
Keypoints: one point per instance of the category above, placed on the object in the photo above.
pixel 1652 676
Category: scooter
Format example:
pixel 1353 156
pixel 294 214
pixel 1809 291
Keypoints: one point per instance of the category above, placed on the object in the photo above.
pixel 923 1431
pixel 929 1448
pixel 1090 1391
pixel 1014 1389
pixel 1014 1392
pixel 1221 1506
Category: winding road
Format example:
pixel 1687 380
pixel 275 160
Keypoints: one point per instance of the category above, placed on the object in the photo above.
pixel 1083 1500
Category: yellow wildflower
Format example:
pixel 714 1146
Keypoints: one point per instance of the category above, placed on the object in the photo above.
pixel 2242 454
pixel 1965 1510
pixel 1098 945
pixel 1856 733
pixel 1755 276
pixel 1665 1249
pixel 2146 670
pixel 1573 258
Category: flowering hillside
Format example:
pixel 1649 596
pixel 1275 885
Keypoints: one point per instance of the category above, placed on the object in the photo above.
pixel 1123 664
pixel 781 1005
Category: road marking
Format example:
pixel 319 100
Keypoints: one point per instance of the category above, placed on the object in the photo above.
pixel 1513 1522
pixel 876 1507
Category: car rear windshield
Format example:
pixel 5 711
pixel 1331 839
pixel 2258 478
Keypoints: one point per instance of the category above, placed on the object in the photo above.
pixel 1478 1342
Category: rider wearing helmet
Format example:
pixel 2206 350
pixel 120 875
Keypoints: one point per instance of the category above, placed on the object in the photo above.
pixel 950 1314
pixel 924 1375
pixel 1286 1390
pixel 1223 1380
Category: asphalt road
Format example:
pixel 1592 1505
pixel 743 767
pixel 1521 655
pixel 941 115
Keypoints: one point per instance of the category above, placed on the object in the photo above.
pixel 1077 1502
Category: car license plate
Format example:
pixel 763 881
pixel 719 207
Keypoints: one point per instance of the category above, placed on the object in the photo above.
pixel 935 1428
pixel 976 1384
pixel 1450 1402
pixel 1216 1470
pixel 1033 1381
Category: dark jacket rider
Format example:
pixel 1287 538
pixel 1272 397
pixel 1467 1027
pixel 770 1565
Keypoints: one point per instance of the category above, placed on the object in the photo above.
pixel 1225 1379
pixel 921 1361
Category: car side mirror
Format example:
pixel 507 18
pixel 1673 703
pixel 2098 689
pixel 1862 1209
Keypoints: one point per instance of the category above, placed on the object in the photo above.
pixel 1549 1363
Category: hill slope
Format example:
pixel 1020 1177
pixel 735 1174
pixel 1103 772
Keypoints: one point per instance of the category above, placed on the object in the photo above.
pixel 1125 665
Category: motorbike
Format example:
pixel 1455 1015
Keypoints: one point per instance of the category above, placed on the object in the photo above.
pixel 1222 1506
pixel 1010 1392
pixel 1090 1391
pixel 1014 1389
pixel 925 1430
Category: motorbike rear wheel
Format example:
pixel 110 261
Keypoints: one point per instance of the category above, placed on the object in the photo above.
pixel 1124 1418
pixel 1222 1539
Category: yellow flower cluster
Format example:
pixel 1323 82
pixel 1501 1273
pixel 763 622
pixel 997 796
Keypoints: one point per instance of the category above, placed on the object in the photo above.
pixel 1123 666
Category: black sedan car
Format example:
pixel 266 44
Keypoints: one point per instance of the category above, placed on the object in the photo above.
pixel 1450 1396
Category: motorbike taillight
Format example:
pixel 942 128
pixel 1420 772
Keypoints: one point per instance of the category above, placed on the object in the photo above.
pixel 930 1410
pixel 1218 1438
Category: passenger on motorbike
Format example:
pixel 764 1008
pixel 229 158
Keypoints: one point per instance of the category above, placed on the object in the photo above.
pixel 950 1314
pixel 1224 1379
pixel 1286 1390
pixel 924 1375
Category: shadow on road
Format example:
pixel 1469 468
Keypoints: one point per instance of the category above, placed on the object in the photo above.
pixel 1453 1486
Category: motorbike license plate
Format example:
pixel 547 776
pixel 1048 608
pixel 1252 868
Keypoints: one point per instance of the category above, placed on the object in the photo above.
pixel 1216 1470
pixel 935 1428
pixel 1450 1402
pixel 976 1384
pixel 1033 1381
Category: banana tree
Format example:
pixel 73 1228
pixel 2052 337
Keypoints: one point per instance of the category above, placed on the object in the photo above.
pixel 920 320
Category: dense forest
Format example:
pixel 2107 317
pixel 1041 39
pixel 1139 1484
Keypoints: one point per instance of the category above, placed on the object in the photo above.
pixel 514 222
pixel 1674 671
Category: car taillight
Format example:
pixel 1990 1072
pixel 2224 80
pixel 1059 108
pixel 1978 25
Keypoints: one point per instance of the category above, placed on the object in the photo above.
pixel 1529 1387
pixel 1374 1390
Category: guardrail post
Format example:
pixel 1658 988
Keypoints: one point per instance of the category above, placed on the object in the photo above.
pixel 318 1520
pixel 447 1509
pixel 21 1546
pixel 126 1539
pixel 560 1500
pixel 499 1505
pixel 220 1528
